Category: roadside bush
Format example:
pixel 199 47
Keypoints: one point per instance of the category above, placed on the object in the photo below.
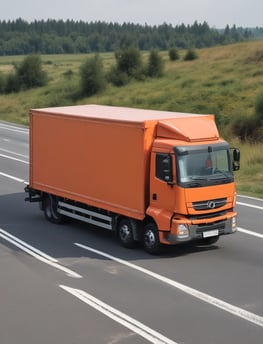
pixel 11 83
pixel 173 54
pixel 155 67
pixel 243 127
pixel 92 76
pixel 250 128
pixel 128 66
pixel 117 77
pixel 29 73
pixel 129 61
pixel 190 55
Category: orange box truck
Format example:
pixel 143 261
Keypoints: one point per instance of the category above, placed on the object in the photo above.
pixel 151 176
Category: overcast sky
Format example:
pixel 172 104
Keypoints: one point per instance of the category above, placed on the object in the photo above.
pixel 217 13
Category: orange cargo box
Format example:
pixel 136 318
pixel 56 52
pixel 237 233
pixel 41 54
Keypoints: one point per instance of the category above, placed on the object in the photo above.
pixel 92 155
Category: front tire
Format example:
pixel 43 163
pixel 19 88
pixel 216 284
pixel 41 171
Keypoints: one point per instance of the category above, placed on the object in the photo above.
pixel 151 240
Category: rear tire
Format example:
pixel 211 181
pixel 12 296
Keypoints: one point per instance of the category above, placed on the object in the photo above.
pixel 126 230
pixel 50 207
pixel 151 240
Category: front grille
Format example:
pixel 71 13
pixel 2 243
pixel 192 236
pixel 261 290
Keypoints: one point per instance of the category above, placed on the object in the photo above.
pixel 208 227
pixel 209 204
pixel 207 216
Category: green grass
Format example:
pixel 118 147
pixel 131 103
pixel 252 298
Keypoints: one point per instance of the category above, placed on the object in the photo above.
pixel 249 179
pixel 224 80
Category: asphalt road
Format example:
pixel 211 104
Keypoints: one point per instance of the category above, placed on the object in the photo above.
pixel 75 284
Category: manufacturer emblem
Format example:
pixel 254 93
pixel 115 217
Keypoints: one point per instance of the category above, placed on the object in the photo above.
pixel 211 204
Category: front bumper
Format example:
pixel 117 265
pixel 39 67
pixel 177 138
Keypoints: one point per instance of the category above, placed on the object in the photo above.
pixel 200 230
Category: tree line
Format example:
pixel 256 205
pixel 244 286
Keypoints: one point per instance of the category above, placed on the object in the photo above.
pixel 19 37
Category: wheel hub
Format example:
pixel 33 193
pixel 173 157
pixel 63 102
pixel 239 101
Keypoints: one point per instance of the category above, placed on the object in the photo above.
pixel 150 238
pixel 125 231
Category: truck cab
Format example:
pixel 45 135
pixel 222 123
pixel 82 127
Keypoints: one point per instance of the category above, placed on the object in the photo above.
pixel 192 190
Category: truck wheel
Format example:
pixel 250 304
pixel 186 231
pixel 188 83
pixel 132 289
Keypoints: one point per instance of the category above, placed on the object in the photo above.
pixel 151 239
pixel 50 206
pixel 126 228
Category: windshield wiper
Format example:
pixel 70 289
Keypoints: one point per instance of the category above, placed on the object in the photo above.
pixel 217 170
pixel 193 184
pixel 199 178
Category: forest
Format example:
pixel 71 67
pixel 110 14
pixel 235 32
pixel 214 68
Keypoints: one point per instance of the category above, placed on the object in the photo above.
pixel 19 37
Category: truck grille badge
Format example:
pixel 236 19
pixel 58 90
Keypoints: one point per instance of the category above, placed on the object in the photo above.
pixel 210 204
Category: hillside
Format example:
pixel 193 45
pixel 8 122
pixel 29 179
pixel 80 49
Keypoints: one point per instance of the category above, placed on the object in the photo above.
pixel 224 80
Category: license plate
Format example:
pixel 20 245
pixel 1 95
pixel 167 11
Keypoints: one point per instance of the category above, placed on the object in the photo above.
pixel 210 233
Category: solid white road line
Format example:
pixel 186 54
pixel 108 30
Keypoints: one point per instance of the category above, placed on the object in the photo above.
pixel 36 253
pixel 246 231
pixel 239 312
pixel 14 128
pixel 122 318
pixel 12 158
pixel 250 205
pixel 250 197
pixel 13 178
pixel 14 153
pixel 28 246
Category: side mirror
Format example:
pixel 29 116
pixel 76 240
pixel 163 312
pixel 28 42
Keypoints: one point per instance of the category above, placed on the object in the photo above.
pixel 236 159
pixel 236 154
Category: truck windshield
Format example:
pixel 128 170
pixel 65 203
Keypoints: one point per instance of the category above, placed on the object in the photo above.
pixel 202 166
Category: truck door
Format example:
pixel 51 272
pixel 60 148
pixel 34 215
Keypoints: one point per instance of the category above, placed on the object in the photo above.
pixel 162 194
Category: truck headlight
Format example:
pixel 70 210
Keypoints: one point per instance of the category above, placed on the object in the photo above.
pixel 183 231
pixel 234 224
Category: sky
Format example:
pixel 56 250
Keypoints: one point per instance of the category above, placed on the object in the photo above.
pixel 217 13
